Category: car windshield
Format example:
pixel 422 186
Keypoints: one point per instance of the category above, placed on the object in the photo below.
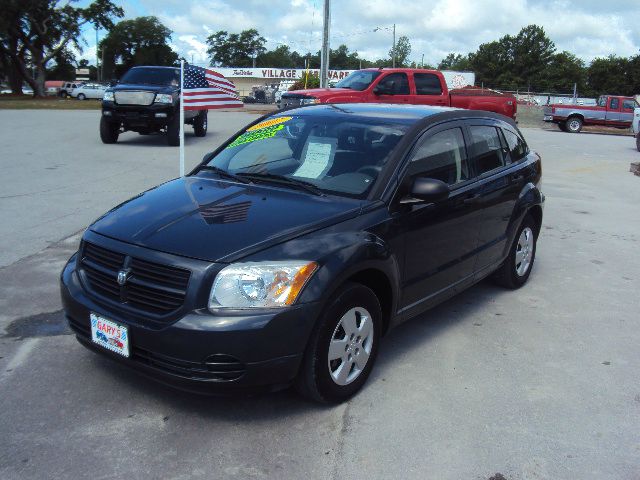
pixel 334 154
pixel 359 80
pixel 152 76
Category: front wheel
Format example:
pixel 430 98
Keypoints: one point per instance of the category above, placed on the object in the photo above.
pixel 574 125
pixel 516 269
pixel 638 141
pixel 562 126
pixel 81 96
pixel 200 124
pixel 343 347
pixel 109 132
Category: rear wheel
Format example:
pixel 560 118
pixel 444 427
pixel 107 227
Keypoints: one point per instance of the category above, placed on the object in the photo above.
pixel 173 131
pixel 516 269
pixel 81 96
pixel 638 141
pixel 343 347
pixel 200 124
pixel 109 132
pixel 574 124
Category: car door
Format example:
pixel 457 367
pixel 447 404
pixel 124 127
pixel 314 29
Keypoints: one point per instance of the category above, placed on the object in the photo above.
pixel 429 90
pixel 398 83
pixel 500 184
pixel 614 111
pixel 440 238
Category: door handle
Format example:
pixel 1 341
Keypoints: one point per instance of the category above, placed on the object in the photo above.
pixel 472 199
pixel 517 177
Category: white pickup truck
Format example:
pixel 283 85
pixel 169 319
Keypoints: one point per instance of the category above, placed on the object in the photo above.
pixel 636 126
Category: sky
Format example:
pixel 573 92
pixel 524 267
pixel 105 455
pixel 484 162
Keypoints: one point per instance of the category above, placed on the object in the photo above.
pixel 587 28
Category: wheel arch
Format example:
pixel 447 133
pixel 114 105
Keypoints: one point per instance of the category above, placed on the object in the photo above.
pixel 378 282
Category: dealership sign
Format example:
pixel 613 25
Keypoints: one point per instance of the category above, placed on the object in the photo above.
pixel 279 73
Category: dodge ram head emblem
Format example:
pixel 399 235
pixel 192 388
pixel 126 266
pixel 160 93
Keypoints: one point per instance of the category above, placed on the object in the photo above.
pixel 123 276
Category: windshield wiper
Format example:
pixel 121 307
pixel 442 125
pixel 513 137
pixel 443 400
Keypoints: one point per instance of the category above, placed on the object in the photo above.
pixel 224 173
pixel 294 182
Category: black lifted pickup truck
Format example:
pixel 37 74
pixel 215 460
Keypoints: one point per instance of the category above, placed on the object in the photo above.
pixel 147 100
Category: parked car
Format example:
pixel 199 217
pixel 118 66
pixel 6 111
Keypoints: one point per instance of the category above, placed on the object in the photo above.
pixel 289 251
pixel 147 100
pixel 403 85
pixel 611 111
pixel 88 90
pixel 67 87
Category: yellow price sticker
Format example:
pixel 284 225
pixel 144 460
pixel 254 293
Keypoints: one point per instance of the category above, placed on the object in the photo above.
pixel 269 123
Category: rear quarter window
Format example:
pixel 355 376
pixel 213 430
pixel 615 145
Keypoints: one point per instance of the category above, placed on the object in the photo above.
pixel 516 145
pixel 487 148
pixel 427 84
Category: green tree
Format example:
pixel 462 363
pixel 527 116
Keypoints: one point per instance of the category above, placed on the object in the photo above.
pixel 33 32
pixel 610 75
pixel 401 52
pixel 235 50
pixel 455 61
pixel 281 57
pixel 342 59
pixel 563 71
pixel 64 68
pixel 531 52
pixel 140 41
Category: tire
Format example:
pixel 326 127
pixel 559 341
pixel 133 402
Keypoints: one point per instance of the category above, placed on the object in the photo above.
pixel 354 309
pixel 81 96
pixel 62 94
pixel 514 272
pixel 173 132
pixel 574 124
pixel 109 132
pixel 200 124
pixel 638 141
pixel 562 126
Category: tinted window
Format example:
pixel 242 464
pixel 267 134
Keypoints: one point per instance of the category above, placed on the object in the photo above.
pixel 629 104
pixel 442 156
pixel 359 80
pixel 614 104
pixel 400 83
pixel 153 76
pixel 487 148
pixel 427 84
pixel 517 147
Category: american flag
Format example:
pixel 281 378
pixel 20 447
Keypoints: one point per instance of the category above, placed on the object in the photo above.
pixel 205 89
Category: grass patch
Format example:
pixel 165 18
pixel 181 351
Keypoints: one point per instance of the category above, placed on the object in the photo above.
pixel 27 102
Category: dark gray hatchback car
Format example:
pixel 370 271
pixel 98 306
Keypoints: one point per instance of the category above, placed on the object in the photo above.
pixel 285 256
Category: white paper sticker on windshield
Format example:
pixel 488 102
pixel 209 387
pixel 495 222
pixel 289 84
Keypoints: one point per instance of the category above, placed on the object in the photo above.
pixel 318 158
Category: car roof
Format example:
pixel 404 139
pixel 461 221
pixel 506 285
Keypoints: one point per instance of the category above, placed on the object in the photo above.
pixel 156 67
pixel 394 113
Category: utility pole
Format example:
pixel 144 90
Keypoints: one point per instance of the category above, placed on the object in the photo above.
pixel 97 57
pixel 394 46
pixel 422 62
pixel 324 54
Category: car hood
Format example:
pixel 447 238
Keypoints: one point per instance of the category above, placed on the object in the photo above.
pixel 219 221
pixel 320 92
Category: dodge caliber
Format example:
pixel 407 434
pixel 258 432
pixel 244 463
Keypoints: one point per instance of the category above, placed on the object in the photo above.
pixel 287 253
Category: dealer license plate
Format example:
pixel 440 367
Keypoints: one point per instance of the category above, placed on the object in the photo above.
pixel 109 335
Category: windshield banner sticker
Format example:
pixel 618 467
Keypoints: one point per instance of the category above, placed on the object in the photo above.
pixel 248 137
pixel 269 123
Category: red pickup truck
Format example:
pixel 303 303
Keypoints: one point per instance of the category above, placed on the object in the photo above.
pixel 611 111
pixel 403 85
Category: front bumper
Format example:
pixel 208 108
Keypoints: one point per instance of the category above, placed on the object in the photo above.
pixel 202 352
pixel 548 118
pixel 155 116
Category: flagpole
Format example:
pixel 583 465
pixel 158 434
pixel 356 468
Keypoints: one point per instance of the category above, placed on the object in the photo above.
pixel 182 117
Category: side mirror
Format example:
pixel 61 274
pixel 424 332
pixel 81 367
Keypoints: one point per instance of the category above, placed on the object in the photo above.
pixel 428 190
pixel 113 82
pixel 384 89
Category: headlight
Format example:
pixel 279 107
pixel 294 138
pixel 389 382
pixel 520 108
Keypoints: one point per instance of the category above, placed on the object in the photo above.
pixel 260 284
pixel 309 101
pixel 108 97
pixel 163 98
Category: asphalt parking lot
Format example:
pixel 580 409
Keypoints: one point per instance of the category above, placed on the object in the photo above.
pixel 541 383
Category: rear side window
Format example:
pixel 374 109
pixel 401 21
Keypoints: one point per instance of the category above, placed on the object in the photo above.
pixel 516 145
pixel 441 156
pixel 614 104
pixel 487 148
pixel 427 84
pixel 400 83
pixel 629 104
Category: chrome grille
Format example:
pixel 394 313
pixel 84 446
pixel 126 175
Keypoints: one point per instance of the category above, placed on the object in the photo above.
pixel 134 97
pixel 150 288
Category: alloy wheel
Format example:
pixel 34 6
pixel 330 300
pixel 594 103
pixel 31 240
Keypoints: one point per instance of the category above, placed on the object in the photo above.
pixel 350 346
pixel 524 251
